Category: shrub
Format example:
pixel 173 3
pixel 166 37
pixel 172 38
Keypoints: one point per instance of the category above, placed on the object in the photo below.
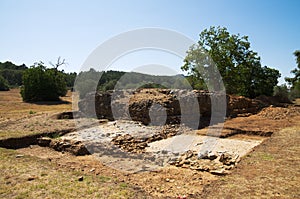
pixel 3 84
pixel 43 84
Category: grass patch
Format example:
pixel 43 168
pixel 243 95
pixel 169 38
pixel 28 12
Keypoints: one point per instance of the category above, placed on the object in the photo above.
pixel 123 185
pixel 31 177
pixel 267 157
pixel 31 112
pixel 104 179
pixel 15 134
pixel 55 136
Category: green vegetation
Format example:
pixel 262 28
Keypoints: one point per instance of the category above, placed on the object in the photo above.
pixel 281 91
pixel 238 65
pixel 3 84
pixel 12 73
pixel 70 79
pixel 89 81
pixel 43 84
pixel 294 82
pixel 31 112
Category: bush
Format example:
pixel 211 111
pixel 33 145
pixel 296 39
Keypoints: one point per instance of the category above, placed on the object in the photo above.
pixel 281 91
pixel 281 94
pixel 42 84
pixel 295 91
pixel 85 86
pixel 3 84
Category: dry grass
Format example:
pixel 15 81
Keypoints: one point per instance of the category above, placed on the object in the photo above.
pixel 297 101
pixel 18 118
pixel 31 177
pixel 271 171
pixel 12 106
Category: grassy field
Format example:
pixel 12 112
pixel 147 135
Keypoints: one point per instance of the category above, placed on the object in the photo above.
pixel 31 177
pixel 18 118
pixel 12 106
pixel 270 171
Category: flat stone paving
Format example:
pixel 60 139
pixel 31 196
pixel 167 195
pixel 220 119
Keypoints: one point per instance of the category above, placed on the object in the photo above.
pixel 98 139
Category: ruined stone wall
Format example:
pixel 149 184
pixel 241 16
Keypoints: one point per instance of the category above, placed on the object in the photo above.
pixel 164 106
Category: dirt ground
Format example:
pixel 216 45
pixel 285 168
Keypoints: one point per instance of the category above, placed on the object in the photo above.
pixel 270 170
pixel 18 118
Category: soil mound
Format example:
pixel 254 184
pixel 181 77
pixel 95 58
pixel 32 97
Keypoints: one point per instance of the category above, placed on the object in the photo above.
pixel 279 113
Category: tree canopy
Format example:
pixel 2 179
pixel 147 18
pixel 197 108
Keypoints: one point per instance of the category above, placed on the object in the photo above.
pixel 12 73
pixel 294 82
pixel 92 80
pixel 238 65
pixel 3 84
pixel 43 84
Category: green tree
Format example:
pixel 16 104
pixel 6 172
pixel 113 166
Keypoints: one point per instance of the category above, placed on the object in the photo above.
pixel 238 65
pixel 70 79
pixel 281 91
pixel 3 84
pixel 87 81
pixel 12 73
pixel 294 82
pixel 43 84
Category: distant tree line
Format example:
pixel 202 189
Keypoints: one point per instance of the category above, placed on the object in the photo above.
pixel 11 75
pixel 92 80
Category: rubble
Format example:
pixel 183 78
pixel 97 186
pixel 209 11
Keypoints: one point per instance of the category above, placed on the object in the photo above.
pixel 74 147
pixel 217 164
pixel 130 143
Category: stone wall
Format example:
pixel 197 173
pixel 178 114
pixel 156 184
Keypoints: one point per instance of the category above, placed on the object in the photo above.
pixel 165 106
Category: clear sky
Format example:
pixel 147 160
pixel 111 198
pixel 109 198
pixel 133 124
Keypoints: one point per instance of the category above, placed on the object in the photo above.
pixel 35 30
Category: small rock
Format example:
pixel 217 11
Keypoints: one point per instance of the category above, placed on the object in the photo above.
pixel 30 178
pixel 19 156
pixel 219 172
pixel 80 179
pixel 211 156
pixel 203 155
pixel 199 143
pixel 172 161
pixel 187 161
pixel 92 170
pixel 164 152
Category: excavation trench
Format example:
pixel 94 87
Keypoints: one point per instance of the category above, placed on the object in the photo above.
pixel 133 147
pixel 26 141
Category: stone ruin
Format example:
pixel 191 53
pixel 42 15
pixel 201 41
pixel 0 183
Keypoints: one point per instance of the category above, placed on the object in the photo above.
pixel 165 106
pixel 146 116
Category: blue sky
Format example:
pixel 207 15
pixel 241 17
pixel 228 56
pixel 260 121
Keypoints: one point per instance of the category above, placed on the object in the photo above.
pixel 35 30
